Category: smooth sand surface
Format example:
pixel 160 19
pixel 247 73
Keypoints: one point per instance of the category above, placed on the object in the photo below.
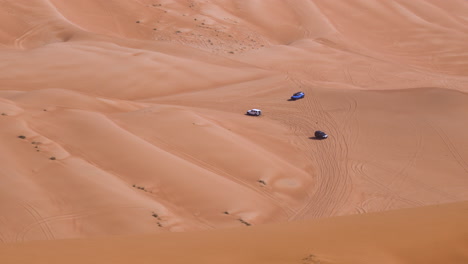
pixel 128 117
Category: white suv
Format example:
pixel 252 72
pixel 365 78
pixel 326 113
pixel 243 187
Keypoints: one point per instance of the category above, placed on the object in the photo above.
pixel 254 112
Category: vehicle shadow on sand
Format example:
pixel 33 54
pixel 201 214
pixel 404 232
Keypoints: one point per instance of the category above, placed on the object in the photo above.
pixel 316 138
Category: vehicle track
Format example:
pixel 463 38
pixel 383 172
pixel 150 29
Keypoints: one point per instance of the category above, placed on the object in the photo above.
pixel 399 175
pixel 18 42
pixel 358 168
pixel 372 73
pixel 390 191
pixel 2 236
pixel 330 156
pixel 348 76
pixel 350 131
pixel 44 222
pixel 45 228
pixel 449 145
pixel 204 165
pixel 84 157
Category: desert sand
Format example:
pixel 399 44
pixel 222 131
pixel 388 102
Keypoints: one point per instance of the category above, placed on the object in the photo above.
pixel 125 121
pixel 435 236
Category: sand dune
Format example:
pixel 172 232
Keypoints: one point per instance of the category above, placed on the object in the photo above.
pixel 434 234
pixel 127 117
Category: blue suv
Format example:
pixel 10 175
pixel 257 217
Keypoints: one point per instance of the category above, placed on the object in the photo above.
pixel 298 95
pixel 320 135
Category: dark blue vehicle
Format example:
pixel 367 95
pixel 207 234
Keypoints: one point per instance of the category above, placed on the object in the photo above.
pixel 298 95
pixel 320 135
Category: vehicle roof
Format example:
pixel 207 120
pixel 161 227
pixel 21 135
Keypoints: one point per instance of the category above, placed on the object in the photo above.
pixel 255 109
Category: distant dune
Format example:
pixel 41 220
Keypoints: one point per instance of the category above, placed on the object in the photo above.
pixel 127 118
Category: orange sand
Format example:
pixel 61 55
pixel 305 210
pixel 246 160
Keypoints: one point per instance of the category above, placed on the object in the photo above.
pixel 132 117
pixel 429 235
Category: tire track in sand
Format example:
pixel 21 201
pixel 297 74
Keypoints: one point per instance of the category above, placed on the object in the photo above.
pixel 44 222
pixel 177 152
pixel 173 150
pixel 398 176
pixel 2 236
pixel 359 169
pixel 450 146
pixel 332 182
pixel 18 42
pixel 410 161
pixel 39 220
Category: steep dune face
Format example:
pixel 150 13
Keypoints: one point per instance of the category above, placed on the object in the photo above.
pixel 127 117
